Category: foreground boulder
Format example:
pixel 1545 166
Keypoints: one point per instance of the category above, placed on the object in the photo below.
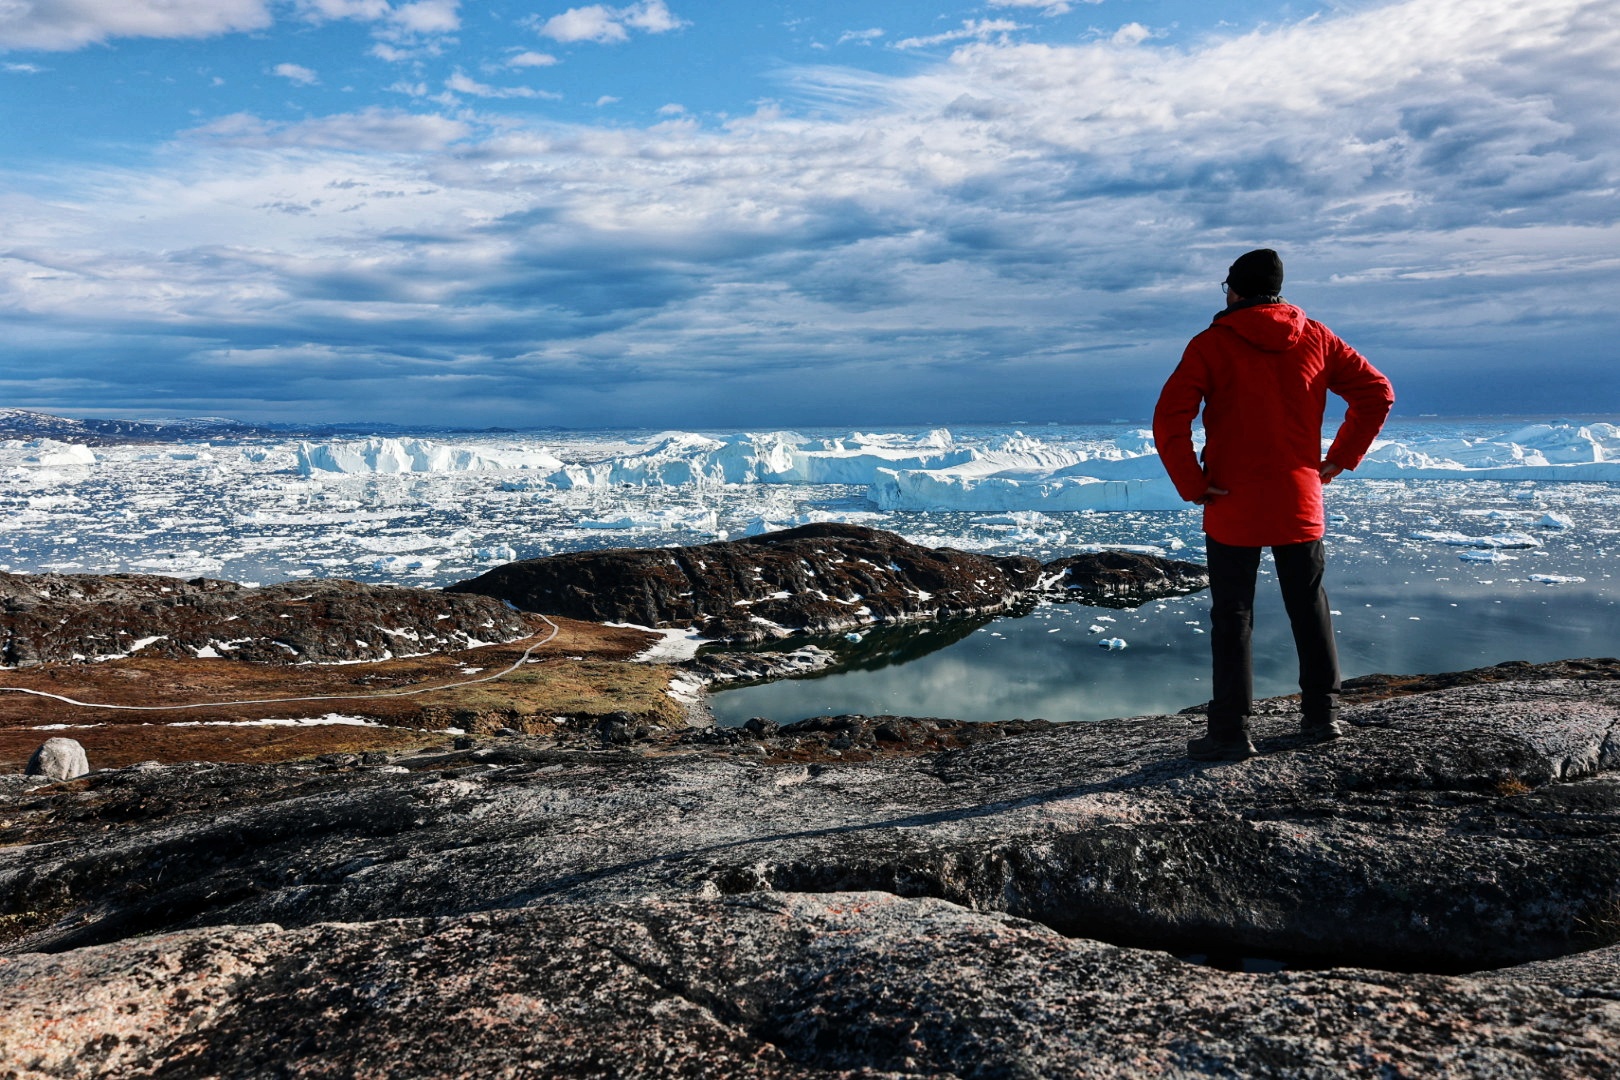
pixel 58 759
pixel 817 579
pixel 841 895
pixel 60 617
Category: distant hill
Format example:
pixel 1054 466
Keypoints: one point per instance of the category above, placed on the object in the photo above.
pixel 26 424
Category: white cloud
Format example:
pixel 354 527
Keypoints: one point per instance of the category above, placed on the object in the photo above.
pixel 461 84
pixel 427 17
pixel 296 73
pixel 383 130
pixel 604 24
pixel 320 10
pixel 607 99
pixel 861 37
pixel 1046 7
pixel 528 59
pixel 972 30
pixel 1131 34
pixel 22 69
pixel 1006 221
pixel 70 24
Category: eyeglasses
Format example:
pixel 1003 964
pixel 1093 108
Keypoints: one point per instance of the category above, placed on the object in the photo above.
pixel 1226 287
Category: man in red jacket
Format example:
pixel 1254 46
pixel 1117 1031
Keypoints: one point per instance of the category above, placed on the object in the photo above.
pixel 1261 373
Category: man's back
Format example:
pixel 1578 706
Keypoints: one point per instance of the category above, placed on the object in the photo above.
pixel 1262 374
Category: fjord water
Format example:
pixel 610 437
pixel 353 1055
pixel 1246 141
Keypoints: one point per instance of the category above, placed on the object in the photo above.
pixel 1404 614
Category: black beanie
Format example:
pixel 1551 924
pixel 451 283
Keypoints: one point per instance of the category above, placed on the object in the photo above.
pixel 1256 273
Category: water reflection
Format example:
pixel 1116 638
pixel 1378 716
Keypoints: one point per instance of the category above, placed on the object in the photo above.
pixel 880 647
pixel 1404 614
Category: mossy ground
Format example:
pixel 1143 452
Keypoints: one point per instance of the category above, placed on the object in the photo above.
pixel 583 673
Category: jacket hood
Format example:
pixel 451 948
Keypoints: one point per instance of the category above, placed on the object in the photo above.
pixel 1270 327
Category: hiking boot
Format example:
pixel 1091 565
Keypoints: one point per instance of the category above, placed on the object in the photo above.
pixel 1227 740
pixel 1209 748
pixel 1319 729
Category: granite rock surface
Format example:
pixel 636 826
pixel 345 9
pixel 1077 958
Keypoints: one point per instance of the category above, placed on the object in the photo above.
pixel 851 896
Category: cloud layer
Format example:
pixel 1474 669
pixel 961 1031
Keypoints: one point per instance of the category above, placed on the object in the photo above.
pixel 1015 231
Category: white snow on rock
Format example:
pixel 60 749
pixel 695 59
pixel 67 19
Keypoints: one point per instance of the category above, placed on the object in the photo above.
pixel 329 720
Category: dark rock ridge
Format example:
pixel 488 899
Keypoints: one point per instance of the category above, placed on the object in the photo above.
pixel 661 908
pixel 817 579
pixel 58 617
pixel 26 424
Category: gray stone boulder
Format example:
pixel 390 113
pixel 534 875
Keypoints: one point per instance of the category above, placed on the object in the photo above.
pixel 852 896
pixel 58 759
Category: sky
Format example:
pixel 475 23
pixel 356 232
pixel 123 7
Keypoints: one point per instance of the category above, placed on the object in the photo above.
pixel 739 214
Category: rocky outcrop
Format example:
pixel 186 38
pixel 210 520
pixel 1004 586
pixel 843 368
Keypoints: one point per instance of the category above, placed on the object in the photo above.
pixel 62 617
pixel 779 986
pixel 897 895
pixel 816 579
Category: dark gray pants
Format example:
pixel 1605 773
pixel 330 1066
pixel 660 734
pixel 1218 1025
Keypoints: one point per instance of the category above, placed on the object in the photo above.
pixel 1232 573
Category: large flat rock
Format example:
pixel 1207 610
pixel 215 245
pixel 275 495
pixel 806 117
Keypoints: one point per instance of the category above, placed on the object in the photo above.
pixel 1443 882
pixel 770 985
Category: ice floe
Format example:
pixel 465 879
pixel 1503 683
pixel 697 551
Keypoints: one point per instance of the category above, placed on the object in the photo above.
pixel 1457 539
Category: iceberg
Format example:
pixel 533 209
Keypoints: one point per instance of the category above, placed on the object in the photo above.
pixel 49 452
pixel 1558 452
pixel 414 456
pixel 677 459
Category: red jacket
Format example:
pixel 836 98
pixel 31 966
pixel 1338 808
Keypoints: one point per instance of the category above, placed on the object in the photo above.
pixel 1262 375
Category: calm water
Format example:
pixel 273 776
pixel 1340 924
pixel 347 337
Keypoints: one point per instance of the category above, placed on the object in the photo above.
pixel 1403 606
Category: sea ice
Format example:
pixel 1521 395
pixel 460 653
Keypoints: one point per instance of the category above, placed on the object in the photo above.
pixel 1505 540
pixel 1112 644
pixel 406 564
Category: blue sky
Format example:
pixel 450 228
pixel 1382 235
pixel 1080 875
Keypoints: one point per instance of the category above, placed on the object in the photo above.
pixel 744 214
